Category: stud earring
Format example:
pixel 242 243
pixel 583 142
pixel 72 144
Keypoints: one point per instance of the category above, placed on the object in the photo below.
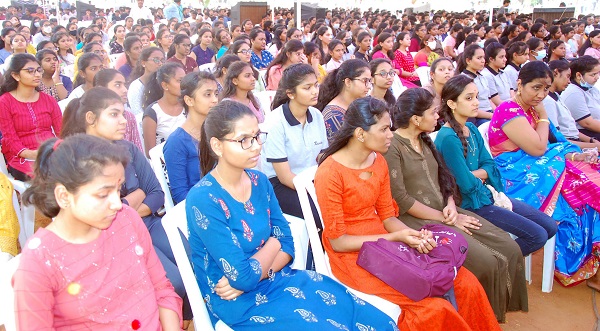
pixel 361 139
pixel 418 124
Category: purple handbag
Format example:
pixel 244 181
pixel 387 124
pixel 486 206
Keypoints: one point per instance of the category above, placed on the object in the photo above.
pixel 411 273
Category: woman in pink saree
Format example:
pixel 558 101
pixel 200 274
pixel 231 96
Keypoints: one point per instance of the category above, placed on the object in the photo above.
pixel 540 167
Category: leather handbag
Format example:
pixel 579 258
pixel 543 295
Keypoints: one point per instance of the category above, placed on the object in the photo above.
pixel 411 273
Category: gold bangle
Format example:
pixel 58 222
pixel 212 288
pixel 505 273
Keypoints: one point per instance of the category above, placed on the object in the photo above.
pixel 573 156
pixel 58 84
pixel 542 120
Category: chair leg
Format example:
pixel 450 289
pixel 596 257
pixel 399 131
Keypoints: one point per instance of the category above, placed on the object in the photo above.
pixel 548 271
pixel 528 268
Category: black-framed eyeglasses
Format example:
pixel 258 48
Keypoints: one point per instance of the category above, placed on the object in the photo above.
pixel 367 81
pixel 32 71
pixel 248 142
pixel 385 74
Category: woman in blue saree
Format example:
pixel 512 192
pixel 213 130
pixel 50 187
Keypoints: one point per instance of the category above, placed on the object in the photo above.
pixel 540 167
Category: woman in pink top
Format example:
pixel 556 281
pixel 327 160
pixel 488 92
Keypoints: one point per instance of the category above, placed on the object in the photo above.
pixel 384 48
pixel 27 117
pixel 93 267
pixel 238 86
pixel 591 46
pixel 403 60
pixel 291 53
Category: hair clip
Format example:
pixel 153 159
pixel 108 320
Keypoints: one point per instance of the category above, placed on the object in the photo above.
pixel 56 144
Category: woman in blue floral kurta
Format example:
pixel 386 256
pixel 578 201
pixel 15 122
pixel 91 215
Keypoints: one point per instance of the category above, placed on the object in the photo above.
pixel 226 234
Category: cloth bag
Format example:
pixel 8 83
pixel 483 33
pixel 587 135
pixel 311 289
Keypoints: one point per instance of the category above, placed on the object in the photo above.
pixel 411 273
pixel 500 199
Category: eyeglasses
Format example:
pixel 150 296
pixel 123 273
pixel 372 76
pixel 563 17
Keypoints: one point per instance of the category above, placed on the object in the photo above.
pixel 367 81
pixel 244 51
pixel 248 142
pixel 157 60
pixel 385 74
pixel 32 71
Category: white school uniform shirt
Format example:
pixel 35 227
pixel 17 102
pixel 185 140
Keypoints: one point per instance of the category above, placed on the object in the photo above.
pixel 512 75
pixel 484 91
pixel 560 116
pixel 497 83
pixel 582 103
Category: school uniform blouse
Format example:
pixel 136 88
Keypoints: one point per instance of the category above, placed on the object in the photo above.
pixel 25 125
pixel 582 102
pixel 484 91
pixel 497 83
pixel 560 116
pixel 512 75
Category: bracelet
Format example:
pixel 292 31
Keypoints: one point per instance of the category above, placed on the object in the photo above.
pixel 573 157
pixel 542 120
pixel 59 84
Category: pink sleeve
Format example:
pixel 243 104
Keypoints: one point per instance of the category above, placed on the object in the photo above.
pixel 164 291
pixel 11 143
pixel 378 55
pixel 34 294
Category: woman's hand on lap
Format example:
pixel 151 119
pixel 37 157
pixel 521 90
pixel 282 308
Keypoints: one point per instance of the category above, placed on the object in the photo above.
pixel 225 291
pixel 465 223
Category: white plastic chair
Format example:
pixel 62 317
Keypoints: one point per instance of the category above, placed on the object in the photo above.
pixel 549 247
pixel 397 87
pixel 157 160
pixel 423 73
pixel 305 187
pixel 25 214
pixel 265 98
pixel 208 67
pixel 113 59
pixel 7 304
pixel 175 220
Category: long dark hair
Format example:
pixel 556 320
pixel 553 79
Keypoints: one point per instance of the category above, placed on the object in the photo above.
pixel 334 81
pixel 361 113
pixel 191 83
pixel 461 61
pixel 533 70
pixel 451 91
pixel 105 76
pixel 277 37
pixel 219 122
pixel 389 96
pixel 17 63
pixel 281 58
pixel 292 76
pixel 381 38
pixel 229 89
pixel 94 100
pixel 517 48
pixel 73 163
pixel 179 39
pixel 83 63
pixel 223 63
pixel 128 45
pixel 153 91
pixel 139 70
pixel 492 50
pixel 588 42
pixel 415 102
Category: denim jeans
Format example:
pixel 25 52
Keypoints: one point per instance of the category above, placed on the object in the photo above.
pixel 532 227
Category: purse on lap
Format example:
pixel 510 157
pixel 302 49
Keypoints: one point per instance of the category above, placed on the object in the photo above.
pixel 411 273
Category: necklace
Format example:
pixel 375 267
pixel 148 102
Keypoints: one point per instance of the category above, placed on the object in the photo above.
pixel 223 182
pixel 471 144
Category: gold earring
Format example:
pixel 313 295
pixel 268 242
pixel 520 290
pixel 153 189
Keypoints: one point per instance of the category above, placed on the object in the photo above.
pixel 418 124
pixel 361 139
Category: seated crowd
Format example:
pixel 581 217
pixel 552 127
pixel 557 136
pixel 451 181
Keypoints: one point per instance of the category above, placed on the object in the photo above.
pixel 500 142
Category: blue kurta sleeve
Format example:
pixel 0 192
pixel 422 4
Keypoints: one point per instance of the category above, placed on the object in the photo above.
pixel 280 228
pixel 176 156
pixel 485 160
pixel 155 197
pixel 208 221
pixel 470 186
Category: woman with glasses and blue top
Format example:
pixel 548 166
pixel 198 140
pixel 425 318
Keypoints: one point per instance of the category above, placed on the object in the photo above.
pixel 352 80
pixel 27 117
pixel 242 245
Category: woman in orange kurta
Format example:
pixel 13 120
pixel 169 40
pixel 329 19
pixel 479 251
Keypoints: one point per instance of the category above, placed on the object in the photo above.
pixel 353 189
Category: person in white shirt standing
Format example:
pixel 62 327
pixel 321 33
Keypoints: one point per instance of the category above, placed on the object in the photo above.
pixel 140 11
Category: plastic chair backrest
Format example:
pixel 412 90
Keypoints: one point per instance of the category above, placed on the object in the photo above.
pixel 483 129
pixel 7 308
pixel 397 87
pixel 157 160
pixel 174 221
pixel 208 67
pixel 304 183
pixel 423 75
pixel 265 98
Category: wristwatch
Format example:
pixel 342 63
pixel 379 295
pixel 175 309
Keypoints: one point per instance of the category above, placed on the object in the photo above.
pixel 270 274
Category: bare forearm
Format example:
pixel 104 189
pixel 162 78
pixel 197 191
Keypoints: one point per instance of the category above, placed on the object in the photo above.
pixel 30 154
pixel 281 260
pixel 169 320
pixel 267 254
pixel 484 114
pixel 349 243
pixel 480 173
